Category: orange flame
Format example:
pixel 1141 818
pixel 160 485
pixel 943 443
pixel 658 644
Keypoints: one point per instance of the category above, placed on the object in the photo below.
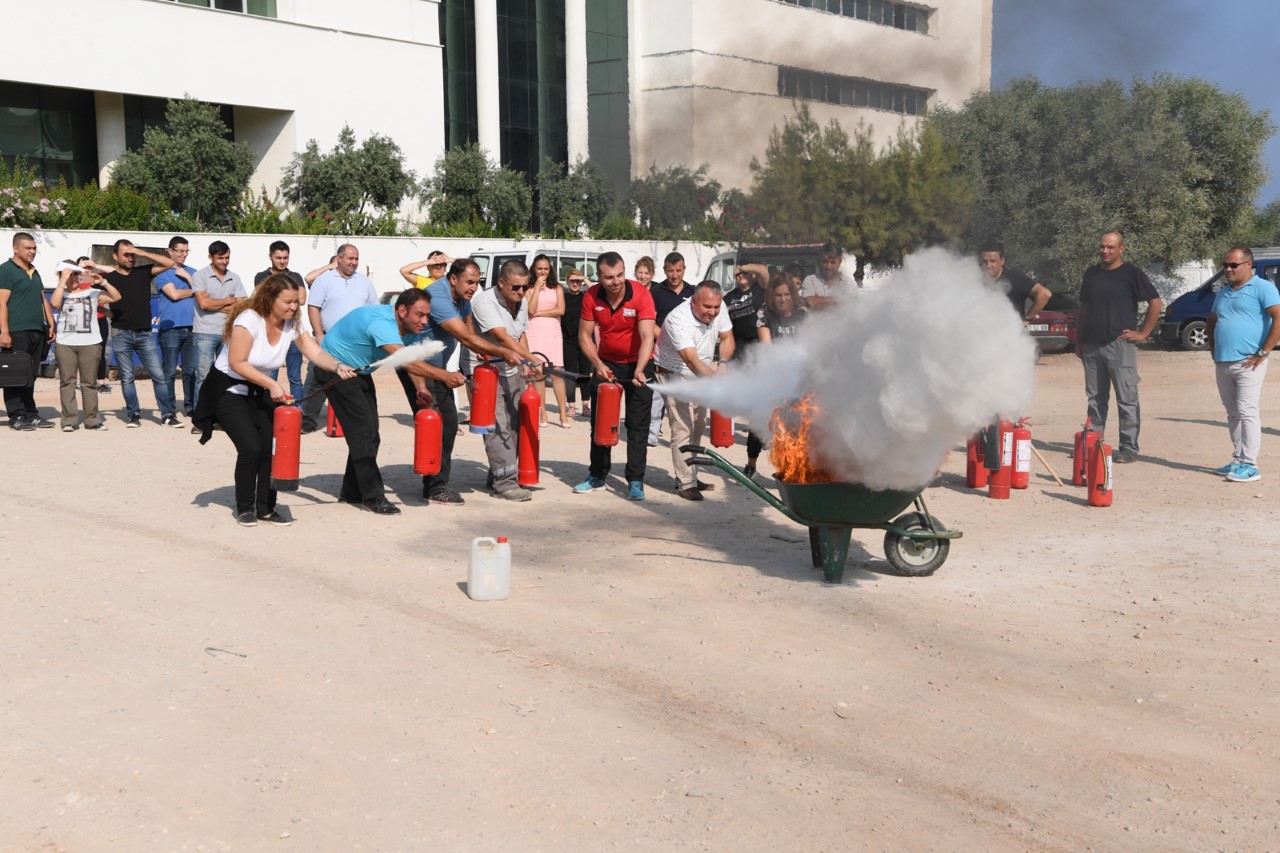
pixel 792 426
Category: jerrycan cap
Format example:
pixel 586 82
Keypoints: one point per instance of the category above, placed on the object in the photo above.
pixel 502 539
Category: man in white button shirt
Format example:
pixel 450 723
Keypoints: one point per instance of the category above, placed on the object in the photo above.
pixel 822 290
pixel 686 348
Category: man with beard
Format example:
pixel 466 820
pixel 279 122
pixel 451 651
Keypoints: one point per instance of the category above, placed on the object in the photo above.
pixel 131 330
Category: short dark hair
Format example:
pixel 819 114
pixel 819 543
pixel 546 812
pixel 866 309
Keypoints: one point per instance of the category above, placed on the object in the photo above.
pixel 1244 250
pixel 709 284
pixel 22 237
pixel 342 250
pixel 115 247
pixel 992 246
pixel 612 259
pixel 460 265
pixel 673 258
pixel 217 247
pixel 434 253
pixel 277 246
pixel 831 250
pixel 176 241
pixel 410 297
pixel 514 266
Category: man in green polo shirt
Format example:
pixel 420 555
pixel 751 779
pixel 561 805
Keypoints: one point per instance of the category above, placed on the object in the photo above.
pixel 26 325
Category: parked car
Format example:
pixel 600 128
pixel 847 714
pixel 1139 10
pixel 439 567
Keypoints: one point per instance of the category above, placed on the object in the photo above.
pixel 1054 328
pixel 1185 321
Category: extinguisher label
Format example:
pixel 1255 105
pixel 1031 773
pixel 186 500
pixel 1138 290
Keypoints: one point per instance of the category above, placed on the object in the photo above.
pixel 1024 457
pixel 1106 484
pixel 1006 453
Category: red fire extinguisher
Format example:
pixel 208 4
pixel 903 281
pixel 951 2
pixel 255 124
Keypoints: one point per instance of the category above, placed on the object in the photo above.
pixel 975 470
pixel 484 397
pixel 1021 455
pixel 721 430
pixel 1100 493
pixel 428 436
pixel 333 429
pixel 1001 476
pixel 529 445
pixel 286 441
pixel 1080 456
pixel 608 413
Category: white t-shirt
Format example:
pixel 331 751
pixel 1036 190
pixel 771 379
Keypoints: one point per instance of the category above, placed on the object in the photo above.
pixel 78 318
pixel 681 330
pixel 814 285
pixel 262 355
pixel 490 312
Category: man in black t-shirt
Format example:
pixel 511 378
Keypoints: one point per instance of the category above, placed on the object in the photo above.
pixel 131 331
pixel 1018 287
pixel 1107 337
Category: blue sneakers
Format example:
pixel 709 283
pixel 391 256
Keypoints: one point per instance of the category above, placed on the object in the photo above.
pixel 1226 469
pixel 635 491
pixel 1244 474
pixel 591 484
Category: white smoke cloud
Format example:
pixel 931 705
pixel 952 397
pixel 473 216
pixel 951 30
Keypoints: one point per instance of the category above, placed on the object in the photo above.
pixel 900 374
pixel 420 351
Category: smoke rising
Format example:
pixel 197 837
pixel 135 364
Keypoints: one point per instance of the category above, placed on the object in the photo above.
pixel 899 374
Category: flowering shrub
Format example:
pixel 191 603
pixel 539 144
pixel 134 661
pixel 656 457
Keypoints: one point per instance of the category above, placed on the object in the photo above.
pixel 25 201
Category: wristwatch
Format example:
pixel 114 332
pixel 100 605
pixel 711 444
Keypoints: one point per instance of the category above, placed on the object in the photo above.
pixel 1262 353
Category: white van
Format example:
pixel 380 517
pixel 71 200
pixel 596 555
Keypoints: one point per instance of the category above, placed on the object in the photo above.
pixel 562 260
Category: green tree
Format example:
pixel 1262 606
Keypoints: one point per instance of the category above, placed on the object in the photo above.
pixel 1174 163
pixel 672 202
pixel 190 165
pixel 571 199
pixel 356 185
pixel 469 192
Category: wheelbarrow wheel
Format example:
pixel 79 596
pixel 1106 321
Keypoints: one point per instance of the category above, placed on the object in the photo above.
pixel 915 558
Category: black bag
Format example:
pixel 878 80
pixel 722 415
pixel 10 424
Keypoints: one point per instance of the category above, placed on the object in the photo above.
pixel 17 370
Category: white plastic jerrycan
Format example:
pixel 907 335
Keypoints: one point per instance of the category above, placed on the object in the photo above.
pixel 489 573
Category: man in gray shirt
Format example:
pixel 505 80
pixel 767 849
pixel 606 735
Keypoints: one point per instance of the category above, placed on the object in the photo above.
pixel 501 315
pixel 217 289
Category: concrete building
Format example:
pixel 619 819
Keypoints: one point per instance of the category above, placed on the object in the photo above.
pixel 627 83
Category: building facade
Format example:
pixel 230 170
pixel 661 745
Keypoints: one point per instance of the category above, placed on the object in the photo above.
pixel 625 83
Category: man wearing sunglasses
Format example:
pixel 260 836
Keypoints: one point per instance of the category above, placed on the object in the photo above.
pixel 1108 337
pixel 1242 332
pixel 501 315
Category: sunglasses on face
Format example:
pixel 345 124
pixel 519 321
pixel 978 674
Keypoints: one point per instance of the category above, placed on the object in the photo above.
pixel 1233 266
pixel 519 288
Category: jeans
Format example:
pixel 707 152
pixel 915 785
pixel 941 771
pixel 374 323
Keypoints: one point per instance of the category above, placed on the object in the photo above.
pixel 125 344
pixel 313 408
pixel 1241 391
pixel 178 344
pixel 207 347
pixel 293 370
pixel 1115 364
pixel 248 423
pixel 639 402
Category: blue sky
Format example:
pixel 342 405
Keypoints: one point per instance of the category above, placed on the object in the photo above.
pixel 1229 42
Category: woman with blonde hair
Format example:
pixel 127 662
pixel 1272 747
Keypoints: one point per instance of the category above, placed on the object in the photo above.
pixel 241 392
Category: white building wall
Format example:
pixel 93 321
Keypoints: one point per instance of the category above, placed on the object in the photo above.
pixel 320 65
pixel 705 78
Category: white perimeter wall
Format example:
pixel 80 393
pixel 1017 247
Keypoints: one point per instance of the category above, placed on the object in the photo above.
pixel 375 65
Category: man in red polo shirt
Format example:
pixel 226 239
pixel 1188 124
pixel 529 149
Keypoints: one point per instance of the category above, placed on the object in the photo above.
pixel 624 315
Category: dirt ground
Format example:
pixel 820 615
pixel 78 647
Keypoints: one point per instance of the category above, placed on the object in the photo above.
pixel 665 676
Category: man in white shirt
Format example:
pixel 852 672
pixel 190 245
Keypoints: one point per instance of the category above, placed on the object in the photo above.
pixel 823 290
pixel 686 349
pixel 334 295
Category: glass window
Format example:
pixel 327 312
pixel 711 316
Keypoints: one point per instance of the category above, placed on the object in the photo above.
pixel 53 129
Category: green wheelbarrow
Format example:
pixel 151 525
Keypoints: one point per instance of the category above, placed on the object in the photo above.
pixel 916 544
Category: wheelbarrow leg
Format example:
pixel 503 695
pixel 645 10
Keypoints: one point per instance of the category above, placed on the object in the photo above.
pixel 834 544
pixel 815 547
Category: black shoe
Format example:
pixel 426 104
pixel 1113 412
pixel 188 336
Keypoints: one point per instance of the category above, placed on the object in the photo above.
pixel 380 506
pixel 1124 455
pixel 278 517
pixel 41 423
pixel 172 421
pixel 307 429
pixel 135 421
pixel 445 495
pixel 21 424
pixel 690 494
pixel 104 388
pixel 342 499
pixel 749 471
pixel 246 519
pixel 706 487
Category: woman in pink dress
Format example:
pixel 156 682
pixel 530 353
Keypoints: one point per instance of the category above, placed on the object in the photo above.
pixel 546 307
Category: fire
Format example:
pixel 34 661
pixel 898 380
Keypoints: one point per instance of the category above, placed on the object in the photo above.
pixel 792 426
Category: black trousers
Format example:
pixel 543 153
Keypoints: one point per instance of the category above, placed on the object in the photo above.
pixel 638 402
pixel 248 422
pixel 21 402
pixel 574 363
pixel 444 403
pixel 355 403
pixel 104 328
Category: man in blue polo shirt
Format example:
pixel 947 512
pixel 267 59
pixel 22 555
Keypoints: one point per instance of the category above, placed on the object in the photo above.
pixel 1242 332
pixel 175 315
pixel 451 324
pixel 363 336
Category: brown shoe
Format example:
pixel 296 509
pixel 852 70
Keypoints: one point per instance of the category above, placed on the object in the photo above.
pixel 690 494
pixel 705 487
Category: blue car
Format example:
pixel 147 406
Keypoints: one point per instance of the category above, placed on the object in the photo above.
pixel 1185 321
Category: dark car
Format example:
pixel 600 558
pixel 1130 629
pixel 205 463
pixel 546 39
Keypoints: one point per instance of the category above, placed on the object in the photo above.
pixel 1185 321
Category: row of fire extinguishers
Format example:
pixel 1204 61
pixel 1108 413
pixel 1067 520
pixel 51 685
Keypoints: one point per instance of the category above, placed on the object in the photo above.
pixel 999 458
pixel 428 429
